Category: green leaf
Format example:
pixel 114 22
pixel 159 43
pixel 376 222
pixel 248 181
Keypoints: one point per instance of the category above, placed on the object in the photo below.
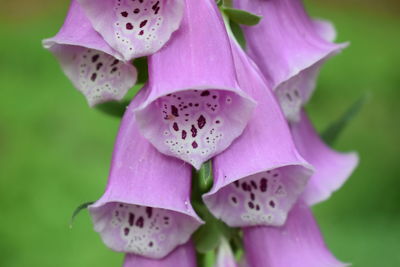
pixel 241 16
pixel 205 176
pixel 78 210
pixel 113 108
pixel 332 132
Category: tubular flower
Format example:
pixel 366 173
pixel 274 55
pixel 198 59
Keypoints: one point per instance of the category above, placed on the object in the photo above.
pixel 331 168
pixel 146 208
pixel 89 62
pixel 298 243
pixel 135 28
pixel 225 256
pixel 289 48
pixel 194 107
pixel 268 174
pixel 183 255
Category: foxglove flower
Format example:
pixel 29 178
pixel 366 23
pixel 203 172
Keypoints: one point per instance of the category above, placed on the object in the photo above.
pixel 89 62
pixel 135 28
pixel 290 48
pixel 182 256
pixel 261 176
pixel 194 107
pixel 331 168
pixel 146 208
pixel 296 244
pixel 225 256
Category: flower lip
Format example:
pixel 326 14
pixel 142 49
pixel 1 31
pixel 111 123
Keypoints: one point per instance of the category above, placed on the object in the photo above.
pixel 88 61
pixel 183 255
pixel 196 124
pixel 182 68
pixel 135 28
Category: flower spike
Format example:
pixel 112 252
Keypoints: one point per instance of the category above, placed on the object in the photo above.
pixel 331 168
pixel 290 48
pixel 89 62
pixel 261 176
pixel 298 243
pixel 183 255
pixel 135 28
pixel 146 207
pixel 194 107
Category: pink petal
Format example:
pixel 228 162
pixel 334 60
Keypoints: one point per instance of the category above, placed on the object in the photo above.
pixel 194 107
pixel 93 67
pixel 146 208
pixel 183 255
pixel 332 169
pixel 289 47
pixel 135 28
pixel 296 244
pixel 259 178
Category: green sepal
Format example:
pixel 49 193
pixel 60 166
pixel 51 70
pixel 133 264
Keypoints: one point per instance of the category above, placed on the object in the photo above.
pixel 332 132
pixel 205 177
pixel 241 16
pixel 78 210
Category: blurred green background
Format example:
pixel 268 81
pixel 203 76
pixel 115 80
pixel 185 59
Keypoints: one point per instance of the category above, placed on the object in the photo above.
pixel 55 151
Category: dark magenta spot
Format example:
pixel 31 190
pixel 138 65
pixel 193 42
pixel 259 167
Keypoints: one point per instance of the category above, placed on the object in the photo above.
pixel 149 211
pixel 124 14
pixel 129 26
pixel 143 23
pixel 175 126
pixel 126 231
pixel 141 32
pixel 236 183
pixel 99 65
pixel 194 145
pixel 201 121
pixel 234 199
pixel 263 185
pixel 131 219
pixel 194 131
pixel 174 111
pixel 252 196
pixel 95 58
pixel 140 222
pixel 184 134
pixel 93 77
pixel 113 70
pixel 272 204
pixel 136 11
pixel 115 62
pixel 205 93
pixel 253 184
pixel 251 205
pixel 150 244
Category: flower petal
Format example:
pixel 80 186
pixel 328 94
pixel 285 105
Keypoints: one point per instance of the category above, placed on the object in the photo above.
pixel 194 108
pixel 331 168
pixel 296 244
pixel 88 61
pixel 182 256
pixel 146 207
pixel 289 47
pixel 225 256
pixel 135 28
pixel 259 178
